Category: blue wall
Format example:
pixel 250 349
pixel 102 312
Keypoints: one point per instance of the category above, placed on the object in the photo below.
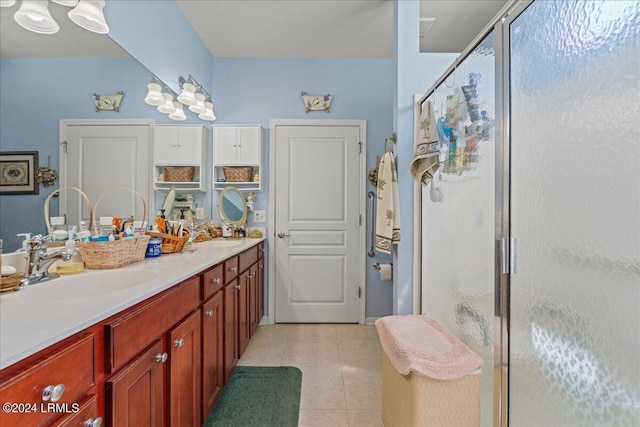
pixel 255 90
pixel 416 72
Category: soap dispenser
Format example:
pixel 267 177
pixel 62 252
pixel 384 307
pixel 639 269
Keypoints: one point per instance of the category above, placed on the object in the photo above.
pixel 25 242
pixel 75 264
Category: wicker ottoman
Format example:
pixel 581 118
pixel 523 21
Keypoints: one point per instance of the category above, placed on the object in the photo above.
pixel 429 377
pixel 416 400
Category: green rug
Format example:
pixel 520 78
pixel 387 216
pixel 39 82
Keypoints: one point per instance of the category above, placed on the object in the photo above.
pixel 259 396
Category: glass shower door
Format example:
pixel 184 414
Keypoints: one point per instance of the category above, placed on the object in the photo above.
pixel 574 87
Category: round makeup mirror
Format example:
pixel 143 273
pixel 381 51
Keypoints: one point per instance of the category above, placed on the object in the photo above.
pixel 232 206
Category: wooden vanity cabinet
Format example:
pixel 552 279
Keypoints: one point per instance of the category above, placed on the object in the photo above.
pixel 212 352
pixel 185 372
pixel 68 372
pixel 231 326
pixel 135 395
pixel 86 416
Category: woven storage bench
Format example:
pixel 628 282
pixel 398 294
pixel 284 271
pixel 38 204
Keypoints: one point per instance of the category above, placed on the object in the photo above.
pixel 411 398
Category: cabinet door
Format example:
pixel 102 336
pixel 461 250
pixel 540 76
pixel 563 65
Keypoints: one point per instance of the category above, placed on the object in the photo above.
pixel 185 373
pixel 225 145
pixel 190 145
pixel 249 146
pixel 165 145
pixel 260 289
pixel 243 312
pixel 231 321
pixel 212 353
pixel 86 415
pixel 135 396
pixel 253 299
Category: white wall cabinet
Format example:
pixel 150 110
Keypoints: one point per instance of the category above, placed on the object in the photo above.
pixel 180 145
pixel 237 145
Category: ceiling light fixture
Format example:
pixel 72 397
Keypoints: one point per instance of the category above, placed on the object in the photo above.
pixel 34 16
pixel 89 15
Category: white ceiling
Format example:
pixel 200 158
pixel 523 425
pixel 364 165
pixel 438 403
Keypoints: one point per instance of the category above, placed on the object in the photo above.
pixel 272 28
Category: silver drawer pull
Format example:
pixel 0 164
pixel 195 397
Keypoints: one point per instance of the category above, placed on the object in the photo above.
pixel 237 287
pixel 208 313
pixel 178 343
pixel 93 422
pixel 215 281
pixel 234 269
pixel 53 393
pixel 161 357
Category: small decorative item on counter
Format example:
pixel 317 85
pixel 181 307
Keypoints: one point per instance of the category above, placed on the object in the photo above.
pixel 189 197
pixel 75 264
pixel 255 233
pixel 154 248
pixel 161 177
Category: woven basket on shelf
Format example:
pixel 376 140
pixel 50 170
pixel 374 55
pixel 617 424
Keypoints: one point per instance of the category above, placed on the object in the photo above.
pixel 238 174
pixel 171 244
pixel 47 219
pixel 116 253
pixel 179 174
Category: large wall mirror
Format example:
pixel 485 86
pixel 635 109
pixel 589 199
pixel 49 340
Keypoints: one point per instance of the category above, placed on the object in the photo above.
pixel 48 78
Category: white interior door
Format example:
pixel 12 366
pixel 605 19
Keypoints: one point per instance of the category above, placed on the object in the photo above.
pixel 317 223
pixel 97 157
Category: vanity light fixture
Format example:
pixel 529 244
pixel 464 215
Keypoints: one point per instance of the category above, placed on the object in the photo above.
pixel 208 114
pixel 199 107
pixel 68 3
pixel 89 15
pixel 187 91
pixel 7 3
pixel 34 15
pixel 167 107
pixel 178 114
pixel 154 95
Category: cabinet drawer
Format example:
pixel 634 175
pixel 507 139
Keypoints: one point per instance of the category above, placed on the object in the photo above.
pixel 128 335
pixel 86 415
pixel 248 257
pixel 72 367
pixel 260 250
pixel 230 269
pixel 212 281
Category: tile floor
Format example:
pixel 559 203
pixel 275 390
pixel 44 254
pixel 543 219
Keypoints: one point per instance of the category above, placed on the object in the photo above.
pixel 341 370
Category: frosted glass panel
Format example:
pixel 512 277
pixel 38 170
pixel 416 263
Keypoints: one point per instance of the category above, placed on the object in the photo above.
pixel 458 212
pixel 575 212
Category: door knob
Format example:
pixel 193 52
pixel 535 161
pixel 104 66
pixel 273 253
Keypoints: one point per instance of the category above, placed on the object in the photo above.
pixel 282 234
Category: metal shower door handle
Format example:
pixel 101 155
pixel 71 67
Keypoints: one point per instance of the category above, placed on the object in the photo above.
pixel 371 195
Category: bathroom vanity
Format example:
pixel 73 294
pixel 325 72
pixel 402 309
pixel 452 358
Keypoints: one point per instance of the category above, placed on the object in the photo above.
pixel 155 350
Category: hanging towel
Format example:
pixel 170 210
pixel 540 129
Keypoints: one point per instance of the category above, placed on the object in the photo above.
pixel 418 343
pixel 387 213
pixel 426 158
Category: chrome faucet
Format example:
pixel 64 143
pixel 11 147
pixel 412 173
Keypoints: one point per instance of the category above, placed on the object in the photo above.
pixel 38 261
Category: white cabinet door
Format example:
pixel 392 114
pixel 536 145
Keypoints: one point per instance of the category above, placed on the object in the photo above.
pixel 248 145
pixel 166 145
pixel 225 145
pixel 189 145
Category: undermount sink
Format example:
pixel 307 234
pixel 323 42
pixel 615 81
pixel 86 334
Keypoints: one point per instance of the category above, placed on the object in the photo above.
pixel 222 243
pixel 85 285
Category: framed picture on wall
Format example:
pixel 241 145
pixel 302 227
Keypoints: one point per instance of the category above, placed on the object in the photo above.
pixel 18 172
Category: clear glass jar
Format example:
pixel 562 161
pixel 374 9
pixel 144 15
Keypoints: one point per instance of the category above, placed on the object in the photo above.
pixel 75 264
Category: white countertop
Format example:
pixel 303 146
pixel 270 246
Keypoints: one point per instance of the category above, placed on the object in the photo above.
pixel 40 315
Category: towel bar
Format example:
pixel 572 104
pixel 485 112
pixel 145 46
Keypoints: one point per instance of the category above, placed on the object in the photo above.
pixel 372 197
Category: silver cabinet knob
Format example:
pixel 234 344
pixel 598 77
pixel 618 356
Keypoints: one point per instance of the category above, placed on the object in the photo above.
pixel 234 269
pixel 161 357
pixel 215 281
pixel 178 343
pixel 208 313
pixel 260 266
pixel 53 393
pixel 237 287
pixel 93 422
pixel 251 275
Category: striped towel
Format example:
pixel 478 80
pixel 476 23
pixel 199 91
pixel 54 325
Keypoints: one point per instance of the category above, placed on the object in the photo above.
pixel 388 212
pixel 425 160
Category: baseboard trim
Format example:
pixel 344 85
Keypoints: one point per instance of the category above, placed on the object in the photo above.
pixel 370 320
pixel 264 321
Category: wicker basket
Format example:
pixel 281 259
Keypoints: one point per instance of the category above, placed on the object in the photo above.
pixel 238 174
pixel 47 220
pixel 116 253
pixel 171 244
pixel 179 174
